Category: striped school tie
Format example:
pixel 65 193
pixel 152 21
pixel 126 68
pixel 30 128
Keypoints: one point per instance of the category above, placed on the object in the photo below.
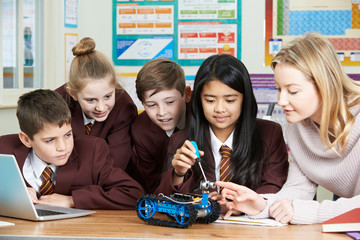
pixel 88 128
pixel 225 164
pixel 47 186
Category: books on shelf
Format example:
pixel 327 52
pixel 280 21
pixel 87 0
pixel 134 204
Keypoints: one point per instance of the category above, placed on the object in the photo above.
pixel 346 222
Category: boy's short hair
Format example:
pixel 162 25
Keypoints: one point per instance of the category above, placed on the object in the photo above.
pixel 39 107
pixel 160 74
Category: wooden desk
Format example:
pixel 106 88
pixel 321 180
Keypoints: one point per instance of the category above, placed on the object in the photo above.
pixel 126 225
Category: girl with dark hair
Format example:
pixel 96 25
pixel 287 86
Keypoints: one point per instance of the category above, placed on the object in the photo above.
pixel 223 113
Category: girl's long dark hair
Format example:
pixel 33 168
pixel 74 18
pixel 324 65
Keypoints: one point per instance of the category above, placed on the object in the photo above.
pixel 247 150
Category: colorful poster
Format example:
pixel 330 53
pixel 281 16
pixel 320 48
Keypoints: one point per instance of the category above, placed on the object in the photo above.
pixel 145 48
pixel 210 9
pixel 339 20
pixel 186 31
pixel 199 40
pixel 136 20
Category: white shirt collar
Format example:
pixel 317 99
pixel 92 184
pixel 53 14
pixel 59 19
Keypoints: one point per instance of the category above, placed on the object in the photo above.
pixel 87 120
pixel 216 143
pixel 169 133
pixel 39 165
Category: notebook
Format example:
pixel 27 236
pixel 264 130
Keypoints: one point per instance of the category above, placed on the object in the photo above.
pixel 15 200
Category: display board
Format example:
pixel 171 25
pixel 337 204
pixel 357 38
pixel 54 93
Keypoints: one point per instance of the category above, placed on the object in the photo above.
pixel 185 31
pixel 339 20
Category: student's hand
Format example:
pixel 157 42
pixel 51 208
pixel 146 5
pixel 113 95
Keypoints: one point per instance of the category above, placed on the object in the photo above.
pixel 282 211
pixel 57 200
pixel 185 158
pixel 241 198
pixel 33 195
pixel 217 197
pixel 223 201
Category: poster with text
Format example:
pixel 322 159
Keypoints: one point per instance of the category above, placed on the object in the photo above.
pixel 199 40
pixel 182 30
pixel 338 20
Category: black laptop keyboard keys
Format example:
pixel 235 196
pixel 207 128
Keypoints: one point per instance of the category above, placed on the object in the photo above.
pixel 42 212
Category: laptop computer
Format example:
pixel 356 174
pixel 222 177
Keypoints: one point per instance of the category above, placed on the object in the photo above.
pixel 15 200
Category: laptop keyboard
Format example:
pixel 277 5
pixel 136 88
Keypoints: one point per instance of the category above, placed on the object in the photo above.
pixel 42 212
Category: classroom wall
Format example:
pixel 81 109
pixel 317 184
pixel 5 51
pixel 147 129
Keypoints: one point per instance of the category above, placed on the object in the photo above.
pixel 95 21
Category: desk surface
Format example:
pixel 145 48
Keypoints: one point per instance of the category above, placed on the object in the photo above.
pixel 126 225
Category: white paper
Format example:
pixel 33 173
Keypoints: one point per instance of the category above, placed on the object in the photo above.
pixel 4 224
pixel 267 222
pixel 71 40
pixel 71 13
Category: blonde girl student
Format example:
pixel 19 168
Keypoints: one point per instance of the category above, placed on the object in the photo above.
pixel 223 113
pixel 322 107
pixel 99 105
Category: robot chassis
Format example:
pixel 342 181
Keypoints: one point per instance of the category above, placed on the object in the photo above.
pixel 182 209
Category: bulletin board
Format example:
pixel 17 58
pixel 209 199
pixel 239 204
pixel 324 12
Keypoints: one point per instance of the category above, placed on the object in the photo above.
pixel 339 20
pixel 185 31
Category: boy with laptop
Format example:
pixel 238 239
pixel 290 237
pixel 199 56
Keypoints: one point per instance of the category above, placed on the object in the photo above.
pixel 62 171
pixel 161 87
